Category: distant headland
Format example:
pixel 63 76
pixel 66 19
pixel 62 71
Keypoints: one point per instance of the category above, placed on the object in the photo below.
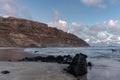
pixel 16 32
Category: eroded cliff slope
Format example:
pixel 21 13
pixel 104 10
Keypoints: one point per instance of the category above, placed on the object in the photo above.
pixel 27 33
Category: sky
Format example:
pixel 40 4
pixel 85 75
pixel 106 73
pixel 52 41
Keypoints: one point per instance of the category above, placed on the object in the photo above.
pixel 95 21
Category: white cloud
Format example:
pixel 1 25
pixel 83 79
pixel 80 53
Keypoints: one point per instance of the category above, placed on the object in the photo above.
pixel 87 40
pixel 106 32
pixel 113 23
pixel 92 2
pixel 113 27
pixel 9 10
pixel 75 24
pixel 113 1
pixel 102 36
pixel 58 22
pixel 13 8
pixel 99 3
pixel 62 23
pixel 79 26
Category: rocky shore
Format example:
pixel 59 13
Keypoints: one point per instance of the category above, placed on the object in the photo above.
pixel 100 68
pixel 67 66
pixel 77 64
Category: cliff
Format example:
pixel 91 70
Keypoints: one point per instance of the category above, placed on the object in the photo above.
pixel 26 33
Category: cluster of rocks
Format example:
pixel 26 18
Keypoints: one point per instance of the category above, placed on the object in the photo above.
pixel 66 59
pixel 77 65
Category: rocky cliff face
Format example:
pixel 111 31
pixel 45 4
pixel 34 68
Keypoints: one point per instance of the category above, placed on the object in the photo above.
pixel 27 33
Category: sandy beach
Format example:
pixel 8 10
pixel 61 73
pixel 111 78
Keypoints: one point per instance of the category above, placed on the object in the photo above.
pixel 14 54
pixel 103 68
pixel 29 70
pixel 33 71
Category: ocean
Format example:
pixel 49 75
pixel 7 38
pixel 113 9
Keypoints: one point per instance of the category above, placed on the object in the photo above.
pixel 105 59
pixel 98 52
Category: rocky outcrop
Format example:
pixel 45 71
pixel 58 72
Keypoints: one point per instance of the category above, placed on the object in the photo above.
pixel 78 66
pixel 27 33
pixel 66 59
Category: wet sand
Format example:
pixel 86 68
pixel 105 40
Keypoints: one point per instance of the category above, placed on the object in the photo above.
pixel 29 70
pixel 14 54
pixel 33 71
pixel 52 71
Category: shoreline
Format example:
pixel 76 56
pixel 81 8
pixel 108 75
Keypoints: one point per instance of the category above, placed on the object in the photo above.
pixel 34 71
pixel 9 62
pixel 103 68
pixel 29 70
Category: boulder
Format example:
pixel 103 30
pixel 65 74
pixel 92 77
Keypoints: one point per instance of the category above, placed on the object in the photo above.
pixel 78 66
pixel 50 58
pixel 60 59
pixel 5 72
pixel 90 64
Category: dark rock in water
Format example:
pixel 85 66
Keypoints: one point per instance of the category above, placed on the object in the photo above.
pixel 9 60
pixel 113 50
pixel 90 64
pixel 50 58
pixel 36 51
pixel 67 59
pixel 59 59
pixel 5 72
pixel 78 66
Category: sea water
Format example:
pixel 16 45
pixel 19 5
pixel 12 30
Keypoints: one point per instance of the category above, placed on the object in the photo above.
pixel 111 52
pixel 105 59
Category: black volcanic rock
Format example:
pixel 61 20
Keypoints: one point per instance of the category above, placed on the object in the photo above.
pixel 78 66
pixel 5 72
pixel 27 33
